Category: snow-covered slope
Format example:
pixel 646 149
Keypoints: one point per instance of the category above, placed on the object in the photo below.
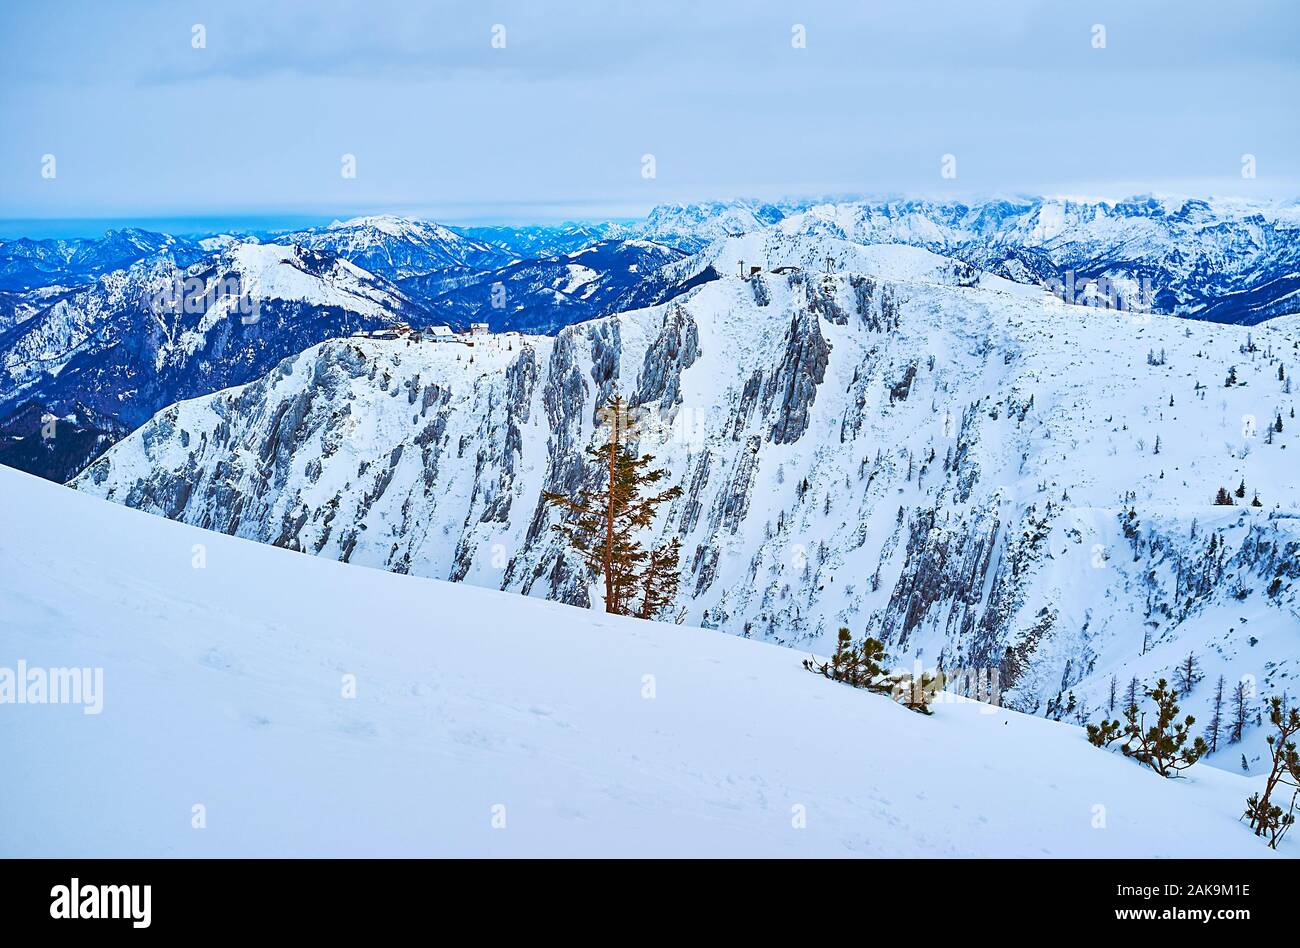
pixel 782 251
pixel 485 724
pixel 18 307
pixel 968 468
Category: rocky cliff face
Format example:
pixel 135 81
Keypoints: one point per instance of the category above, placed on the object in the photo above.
pixel 970 469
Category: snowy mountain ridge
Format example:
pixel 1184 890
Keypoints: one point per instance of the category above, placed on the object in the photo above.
pixel 139 339
pixel 1232 260
pixel 692 226
pixel 905 445
pixel 397 247
pixel 29 264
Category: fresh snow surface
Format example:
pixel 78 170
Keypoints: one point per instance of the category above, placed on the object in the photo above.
pixel 222 688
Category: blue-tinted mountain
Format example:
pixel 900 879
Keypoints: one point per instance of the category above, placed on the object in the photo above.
pixel 397 247
pixel 113 348
pixel 523 243
pixel 544 295
pixel 56 446
pixel 26 263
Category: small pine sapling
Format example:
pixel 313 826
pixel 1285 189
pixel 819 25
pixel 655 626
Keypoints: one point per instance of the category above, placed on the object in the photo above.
pixel 862 665
pixel 858 665
pixel 1162 746
pixel 914 693
pixel 660 579
pixel 1266 817
pixel 1188 674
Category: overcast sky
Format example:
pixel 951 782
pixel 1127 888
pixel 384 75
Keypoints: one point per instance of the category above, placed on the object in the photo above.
pixel 555 125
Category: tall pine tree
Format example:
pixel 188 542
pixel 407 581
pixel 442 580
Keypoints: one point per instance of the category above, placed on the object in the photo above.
pixel 605 522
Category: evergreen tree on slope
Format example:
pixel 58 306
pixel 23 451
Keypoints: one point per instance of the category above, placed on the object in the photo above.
pixel 605 522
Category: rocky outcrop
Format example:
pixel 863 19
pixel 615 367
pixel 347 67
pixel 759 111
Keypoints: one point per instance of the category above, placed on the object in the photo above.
pixel 790 389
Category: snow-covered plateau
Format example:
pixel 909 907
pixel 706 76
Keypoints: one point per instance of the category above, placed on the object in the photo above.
pixel 256 701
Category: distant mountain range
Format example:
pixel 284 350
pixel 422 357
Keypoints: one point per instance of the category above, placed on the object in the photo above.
pixel 1221 261
pixel 398 248
pixel 80 328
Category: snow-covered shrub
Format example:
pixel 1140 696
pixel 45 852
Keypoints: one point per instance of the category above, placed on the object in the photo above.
pixel 862 666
